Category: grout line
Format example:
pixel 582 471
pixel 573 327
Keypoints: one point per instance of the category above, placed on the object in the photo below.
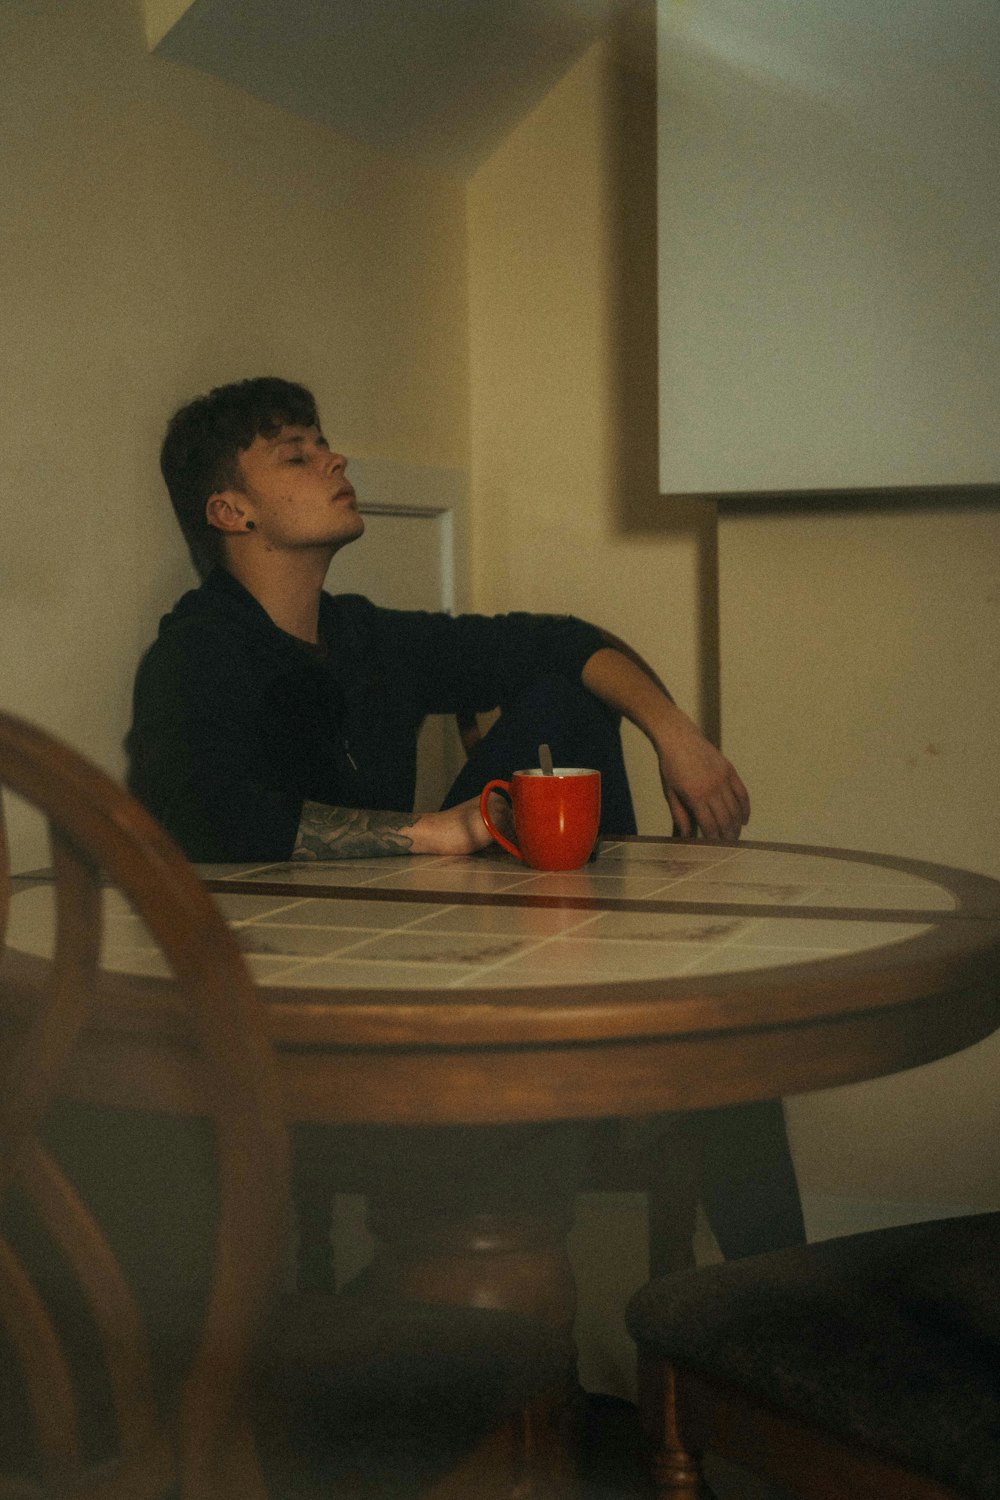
pixel 647 904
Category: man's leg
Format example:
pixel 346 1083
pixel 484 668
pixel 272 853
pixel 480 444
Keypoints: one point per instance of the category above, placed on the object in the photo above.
pixel 748 1185
pixel 579 731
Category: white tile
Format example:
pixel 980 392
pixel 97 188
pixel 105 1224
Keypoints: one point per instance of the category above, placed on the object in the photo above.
pixel 417 877
pixel 347 974
pixel 320 911
pixel 773 866
pixel 297 942
pixel 417 947
pixel 736 893
pixel 127 932
pixel 736 958
pixel 31 926
pixel 664 870
pixel 145 961
pixel 329 872
pixel 268 968
pixel 920 895
pixel 585 883
pixel 490 858
pixel 590 960
pixel 518 921
pixel 688 855
pixel 513 976
pixel 116 903
pixel 659 927
pixel 843 936
pixel 776 864
pixel 240 908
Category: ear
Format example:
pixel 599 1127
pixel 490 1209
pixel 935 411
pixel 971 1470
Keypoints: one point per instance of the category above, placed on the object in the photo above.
pixel 226 511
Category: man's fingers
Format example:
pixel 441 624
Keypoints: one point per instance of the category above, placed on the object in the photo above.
pixel 742 798
pixel 721 815
pixel 683 826
pixel 726 811
pixel 734 817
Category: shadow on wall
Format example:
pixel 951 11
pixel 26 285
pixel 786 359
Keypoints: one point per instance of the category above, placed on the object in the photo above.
pixel 640 510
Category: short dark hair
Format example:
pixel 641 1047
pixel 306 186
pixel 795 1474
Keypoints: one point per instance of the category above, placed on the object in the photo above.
pixel 200 453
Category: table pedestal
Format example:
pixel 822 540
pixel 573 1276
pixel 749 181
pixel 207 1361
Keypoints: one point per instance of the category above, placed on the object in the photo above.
pixel 479 1218
pixel 515 1259
pixel 468 1215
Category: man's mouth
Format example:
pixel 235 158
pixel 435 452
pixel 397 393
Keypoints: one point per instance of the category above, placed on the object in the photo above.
pixel 346 493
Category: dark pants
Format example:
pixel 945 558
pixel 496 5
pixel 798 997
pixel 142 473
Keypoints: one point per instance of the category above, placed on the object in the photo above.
pixel 747 1180
pixel 579 731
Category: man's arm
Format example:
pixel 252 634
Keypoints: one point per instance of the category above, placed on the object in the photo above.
pixel 702 788
pixel 355 833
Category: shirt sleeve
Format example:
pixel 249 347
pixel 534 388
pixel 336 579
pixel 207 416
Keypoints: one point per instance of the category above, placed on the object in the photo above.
pixel 195 757
pixel 475 663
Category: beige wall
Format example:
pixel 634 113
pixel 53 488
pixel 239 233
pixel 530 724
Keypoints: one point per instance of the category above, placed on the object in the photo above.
pixel 164 232
pixel 562 300
pixel 861 655
pixel 860 662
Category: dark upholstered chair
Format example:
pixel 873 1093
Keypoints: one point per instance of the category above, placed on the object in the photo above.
pixel 857 1367
pixel 145 1351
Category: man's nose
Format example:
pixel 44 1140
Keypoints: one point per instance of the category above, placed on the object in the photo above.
pixel 336 461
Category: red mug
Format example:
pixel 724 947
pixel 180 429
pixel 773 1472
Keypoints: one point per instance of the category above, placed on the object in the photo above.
pixel 556 817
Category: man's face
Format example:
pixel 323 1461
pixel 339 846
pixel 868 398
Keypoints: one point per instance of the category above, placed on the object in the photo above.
pixel 296 493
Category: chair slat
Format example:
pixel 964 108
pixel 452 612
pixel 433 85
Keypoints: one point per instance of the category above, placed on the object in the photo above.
pixel 111 1303
pixel 46 1373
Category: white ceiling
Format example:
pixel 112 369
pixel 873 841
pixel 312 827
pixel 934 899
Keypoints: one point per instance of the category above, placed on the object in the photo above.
pixel 440 82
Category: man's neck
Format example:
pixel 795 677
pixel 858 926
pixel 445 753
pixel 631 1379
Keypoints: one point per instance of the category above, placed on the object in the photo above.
pixel 287 585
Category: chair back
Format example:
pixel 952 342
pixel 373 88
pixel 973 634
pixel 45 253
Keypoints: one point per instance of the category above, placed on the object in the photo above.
pixel 199 1441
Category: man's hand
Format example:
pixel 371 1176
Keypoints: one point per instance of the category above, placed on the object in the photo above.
pixel 702 788
pixel 457 830
pixel 327 832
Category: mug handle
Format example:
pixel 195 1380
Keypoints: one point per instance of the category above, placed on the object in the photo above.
pixel 484 796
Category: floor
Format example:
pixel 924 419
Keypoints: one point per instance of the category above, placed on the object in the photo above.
pixel 611 1469
pixel 730 1483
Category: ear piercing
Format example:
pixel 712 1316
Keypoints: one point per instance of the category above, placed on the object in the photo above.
pixel 251 526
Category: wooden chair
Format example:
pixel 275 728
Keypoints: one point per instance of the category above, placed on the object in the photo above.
pixel 116 1382
pixel 862 1366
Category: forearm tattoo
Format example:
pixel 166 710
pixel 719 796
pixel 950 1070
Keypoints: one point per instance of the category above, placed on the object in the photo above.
pixel 349 833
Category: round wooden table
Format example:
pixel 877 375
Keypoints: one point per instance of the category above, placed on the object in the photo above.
pixel 414 995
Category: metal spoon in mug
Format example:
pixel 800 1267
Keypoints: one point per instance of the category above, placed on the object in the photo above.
pixel 545 760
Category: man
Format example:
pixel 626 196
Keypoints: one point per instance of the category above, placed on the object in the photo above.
pixel 274 721
pixel 260 657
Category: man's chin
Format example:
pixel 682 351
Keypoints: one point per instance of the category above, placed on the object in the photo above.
pixel 349 534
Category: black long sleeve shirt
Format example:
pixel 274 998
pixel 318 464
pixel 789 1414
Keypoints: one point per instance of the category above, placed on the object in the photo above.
pixel 236 724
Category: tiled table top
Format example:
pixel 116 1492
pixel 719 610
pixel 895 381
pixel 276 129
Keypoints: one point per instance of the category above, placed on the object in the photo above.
pixel 645 910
